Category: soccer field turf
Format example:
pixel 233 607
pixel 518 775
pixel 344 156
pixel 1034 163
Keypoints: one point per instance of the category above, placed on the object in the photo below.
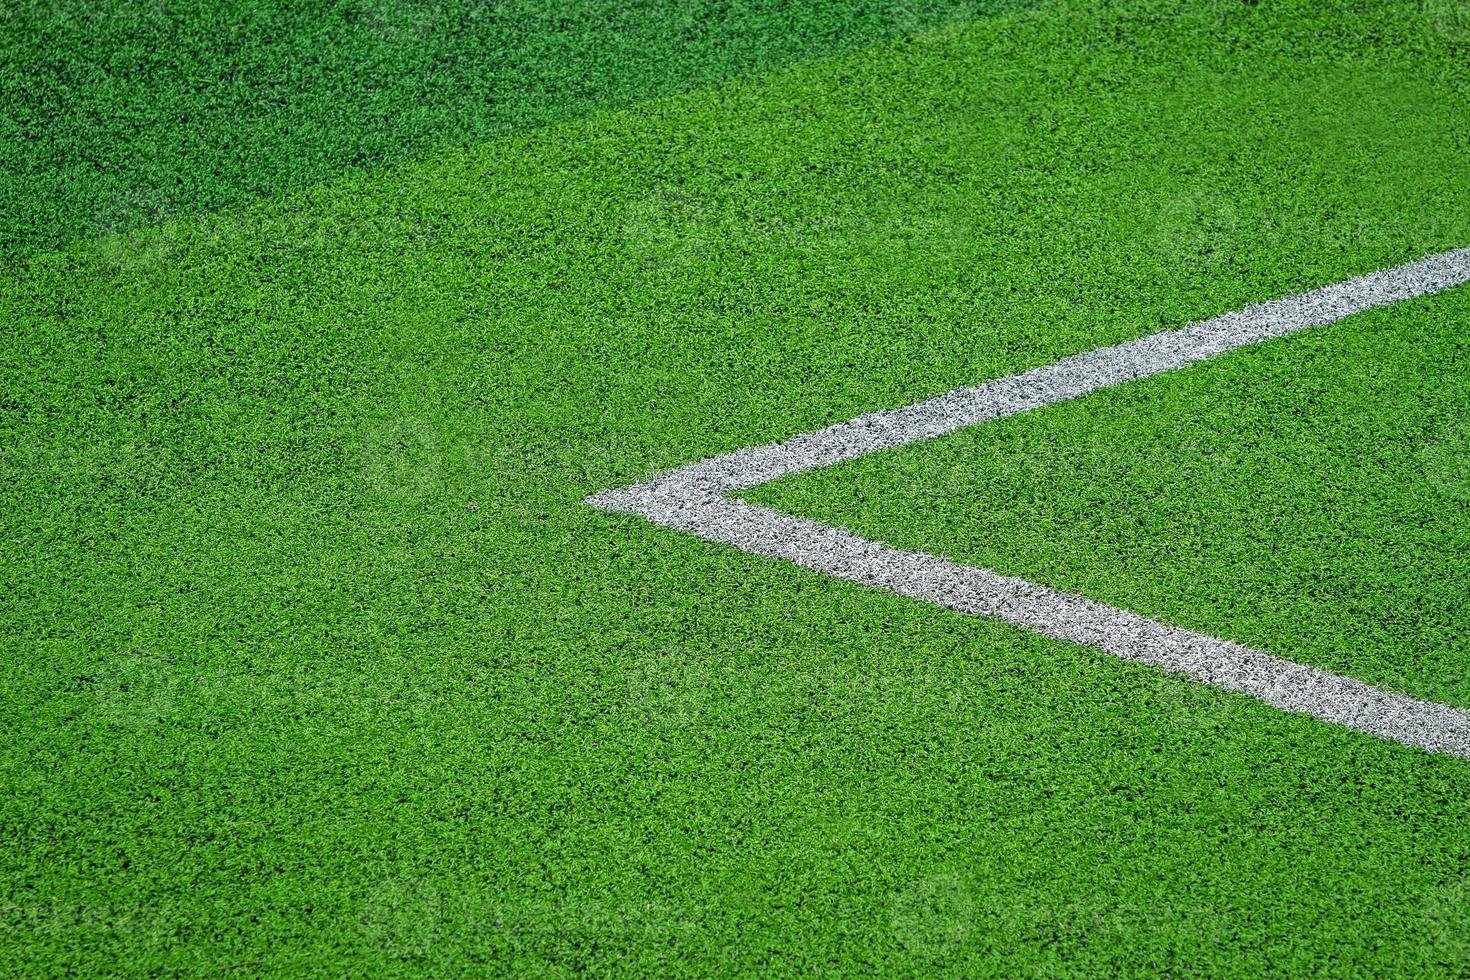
pixel 317 662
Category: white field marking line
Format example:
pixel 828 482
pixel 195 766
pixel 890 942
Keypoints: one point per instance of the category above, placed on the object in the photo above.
pixel 696 499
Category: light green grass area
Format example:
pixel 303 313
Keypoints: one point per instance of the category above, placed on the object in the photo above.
pixel 276 699
pixel 1307 497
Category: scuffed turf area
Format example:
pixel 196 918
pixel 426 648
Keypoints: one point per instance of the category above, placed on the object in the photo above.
pixel 279 700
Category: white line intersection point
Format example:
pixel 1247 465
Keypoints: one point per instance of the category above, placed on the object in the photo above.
pixel 697 499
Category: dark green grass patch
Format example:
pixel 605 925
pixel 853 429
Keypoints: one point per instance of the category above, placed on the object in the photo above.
pixel 129 113
pixel 275 698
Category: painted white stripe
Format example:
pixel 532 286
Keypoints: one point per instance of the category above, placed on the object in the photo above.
pixel 695 499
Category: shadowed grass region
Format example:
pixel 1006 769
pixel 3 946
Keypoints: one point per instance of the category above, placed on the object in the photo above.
pixel 130 113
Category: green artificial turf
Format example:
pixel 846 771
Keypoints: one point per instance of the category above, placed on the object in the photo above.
pixel 129 113
pixel 277 700
pixel 1307 497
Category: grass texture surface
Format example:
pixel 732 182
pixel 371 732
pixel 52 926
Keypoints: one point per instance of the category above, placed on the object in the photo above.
pixel 279 699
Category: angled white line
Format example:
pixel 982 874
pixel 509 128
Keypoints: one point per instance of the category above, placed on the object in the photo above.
pixel 696 499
